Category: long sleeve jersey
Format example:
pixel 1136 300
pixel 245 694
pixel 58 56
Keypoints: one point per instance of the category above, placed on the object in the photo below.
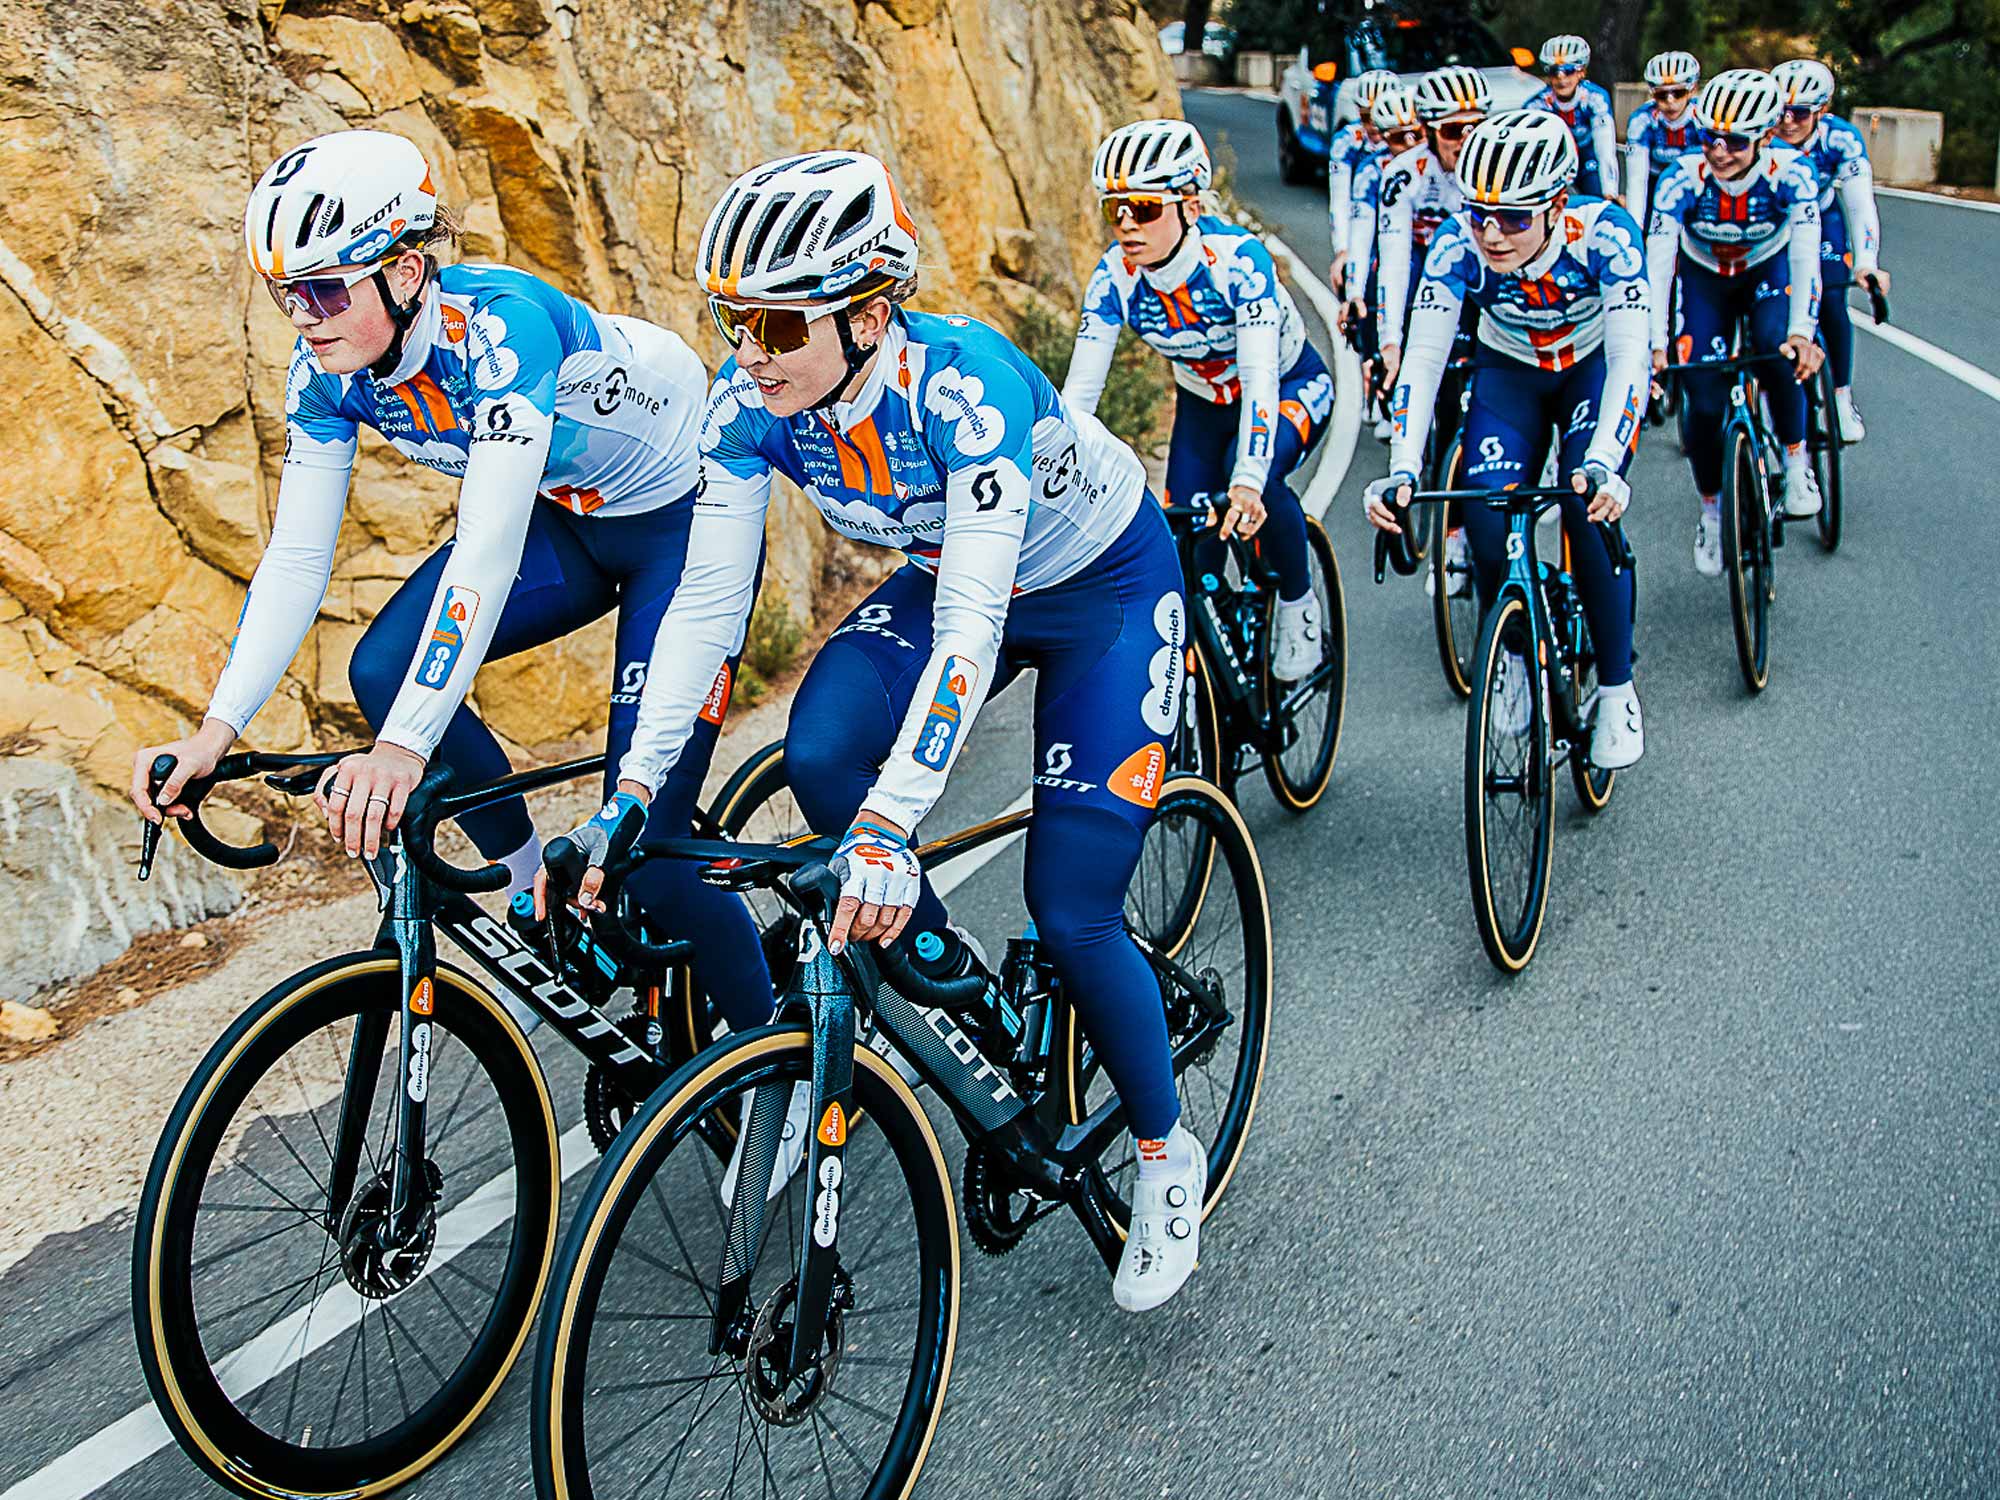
pixel 1730 227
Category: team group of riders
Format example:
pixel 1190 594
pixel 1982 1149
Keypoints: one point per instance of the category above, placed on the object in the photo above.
pixel 603 470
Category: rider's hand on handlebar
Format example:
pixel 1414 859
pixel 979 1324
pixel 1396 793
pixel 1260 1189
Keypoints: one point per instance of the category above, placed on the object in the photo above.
pixel 1805 356
pixel 1392 363
pixel 1609 493
pixel 1376 498
pixel 363 795
pixel 1877 278
pixel 194 757
pixel 879 881
pixel 1245 514
pixel 607 834
pixel 1352 311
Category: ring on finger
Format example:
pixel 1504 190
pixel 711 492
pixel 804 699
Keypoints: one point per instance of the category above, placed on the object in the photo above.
pixel 373 800
pixel 340 791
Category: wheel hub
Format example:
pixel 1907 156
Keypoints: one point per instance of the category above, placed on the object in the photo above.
pixel 785 1400
pixel 377 1260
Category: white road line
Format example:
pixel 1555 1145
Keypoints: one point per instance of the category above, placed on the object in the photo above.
pixel 139 1434
pixel 1264 96
pixel 1346 427
pixel 1921 197
pixel 1938 359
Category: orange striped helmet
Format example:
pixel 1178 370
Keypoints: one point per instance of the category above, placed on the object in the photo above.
pixel 1522 158
pixel 1743 101
pixel 1152 156
pixel 808 228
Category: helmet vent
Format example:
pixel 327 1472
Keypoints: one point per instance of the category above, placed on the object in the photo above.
pixel 857 213
pixel 794 233
pixel 760 237
pixel 305 234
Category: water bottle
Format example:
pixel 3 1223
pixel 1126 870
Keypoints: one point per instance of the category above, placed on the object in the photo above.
pixel 1025 989
pixel 947 955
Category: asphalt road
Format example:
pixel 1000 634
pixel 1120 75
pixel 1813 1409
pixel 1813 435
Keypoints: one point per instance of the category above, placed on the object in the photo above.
pixel 1705 1203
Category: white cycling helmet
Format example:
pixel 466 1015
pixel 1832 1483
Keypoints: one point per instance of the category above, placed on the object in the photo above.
pixel 1452 92
pixel 1152 156
pixel 1666 70
pixel 809 228
pixel 1522 158
pixel 1368 86
pixel 1395 108
pixel 339 202
pixel 1743 101
pixel 1565 51
pixel 1804 81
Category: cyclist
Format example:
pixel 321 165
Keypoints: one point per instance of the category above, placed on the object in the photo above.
pixel 1741 220
pixel 1253 392
pixel 1395 118
pixel 573 434
pixel 1662 130
pixel 1850 233
pixel 1353 144
pixel 1419 192
pixel 1586 109
pixel 1030 542
pixel 1560 285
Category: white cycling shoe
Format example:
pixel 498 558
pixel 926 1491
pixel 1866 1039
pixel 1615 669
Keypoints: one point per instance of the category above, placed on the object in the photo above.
pixel 1164 1241
pixel 1514 704
pixel 1295 648
pixel 1708 543
pixel 1801 489
pixel 1619 738
pixel 792 1144
pixel 1851 430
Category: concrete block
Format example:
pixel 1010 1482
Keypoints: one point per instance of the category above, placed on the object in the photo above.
pixel 1626 97
pixel 1902 143
pixel 1198 70
pixel 1256 70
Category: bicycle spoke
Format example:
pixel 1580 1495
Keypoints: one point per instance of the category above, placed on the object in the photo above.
pixel 693 1276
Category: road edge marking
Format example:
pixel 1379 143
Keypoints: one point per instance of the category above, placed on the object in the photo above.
pixel 1943 360
pixel 1918 195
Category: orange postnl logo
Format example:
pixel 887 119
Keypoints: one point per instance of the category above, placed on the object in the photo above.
pixel 717 703
pixel 420 998
pixel 833 1127
pixel 1138 779
pixel 454 323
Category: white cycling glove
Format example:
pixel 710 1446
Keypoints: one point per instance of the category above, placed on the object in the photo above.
pixel 1598 478
pixel 876 866
pixel 1382 492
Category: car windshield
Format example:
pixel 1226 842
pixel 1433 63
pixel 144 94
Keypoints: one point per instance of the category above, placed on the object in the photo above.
pixel 1407 45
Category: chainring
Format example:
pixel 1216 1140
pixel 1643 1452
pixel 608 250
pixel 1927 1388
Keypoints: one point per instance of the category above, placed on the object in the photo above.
pixel 606 1105
pixel 991 1213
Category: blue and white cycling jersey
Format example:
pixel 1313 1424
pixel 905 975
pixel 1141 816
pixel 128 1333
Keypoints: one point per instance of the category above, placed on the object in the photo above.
pixel 1591 123
pixel 1364 198
pixel 1732 227
pixel 957 452
pixel 1218 312
pixel 521 391
pixel 1586 290
pixel 1848 220
pixel 1416 195
pixel 1664 141
pixel 1346 151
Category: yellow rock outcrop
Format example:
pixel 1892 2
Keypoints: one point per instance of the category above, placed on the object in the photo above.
pixel 581 140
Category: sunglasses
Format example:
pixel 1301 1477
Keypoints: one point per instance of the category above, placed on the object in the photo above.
pixel 1454 130
pixel 1670 95
pixel 1404 138
pixel 1506 220
pixel 1143 209
pixel 318 296
pixel 1797 114
pixel 1727 140
pixel 1566 70
pixel 775 330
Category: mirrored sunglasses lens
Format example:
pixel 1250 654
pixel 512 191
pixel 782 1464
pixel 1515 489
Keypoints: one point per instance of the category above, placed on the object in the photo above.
pixel 775 330
pixel 1142 210
pixel 325 297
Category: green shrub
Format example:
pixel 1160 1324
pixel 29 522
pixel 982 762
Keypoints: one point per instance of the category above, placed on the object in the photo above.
pixel 770 645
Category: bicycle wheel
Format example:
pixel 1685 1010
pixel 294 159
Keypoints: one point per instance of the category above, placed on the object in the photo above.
pixel 1509 812
pixel 1593 783
pixel 300 1345
pixel 1298 773
pixel 1746 559
pixel 1454 616
pixel 631 1400
pixel 1227 948
pixel 1198 748
pixel 1823 438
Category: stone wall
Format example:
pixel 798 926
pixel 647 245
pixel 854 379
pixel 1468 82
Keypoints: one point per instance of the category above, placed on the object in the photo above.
pixel 583 141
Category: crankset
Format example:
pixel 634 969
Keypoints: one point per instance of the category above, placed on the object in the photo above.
pixel 607 1104
pixel 998 1210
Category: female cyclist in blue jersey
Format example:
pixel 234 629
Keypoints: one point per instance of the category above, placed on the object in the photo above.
pixel 1585 108
pixel 1030 542
pixel 1398 129
pixel 1662 130
pixel 1850 232
pixel 573 435
pixel 1253 392
pixel 1353 143
pixel 1560 285
pixel 1741 221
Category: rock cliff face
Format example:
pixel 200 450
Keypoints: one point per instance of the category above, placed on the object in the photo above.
pixel 581 140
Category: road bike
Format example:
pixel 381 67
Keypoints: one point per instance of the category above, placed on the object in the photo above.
pixel 351 1212
pixel 799 1338
pixel 1536 618
pixel 1237 713
pixel 1824 441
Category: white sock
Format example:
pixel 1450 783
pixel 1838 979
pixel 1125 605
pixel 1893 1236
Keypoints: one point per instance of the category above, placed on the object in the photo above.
pixel 1172 1157
pixel 522 864
pixel 1711 507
